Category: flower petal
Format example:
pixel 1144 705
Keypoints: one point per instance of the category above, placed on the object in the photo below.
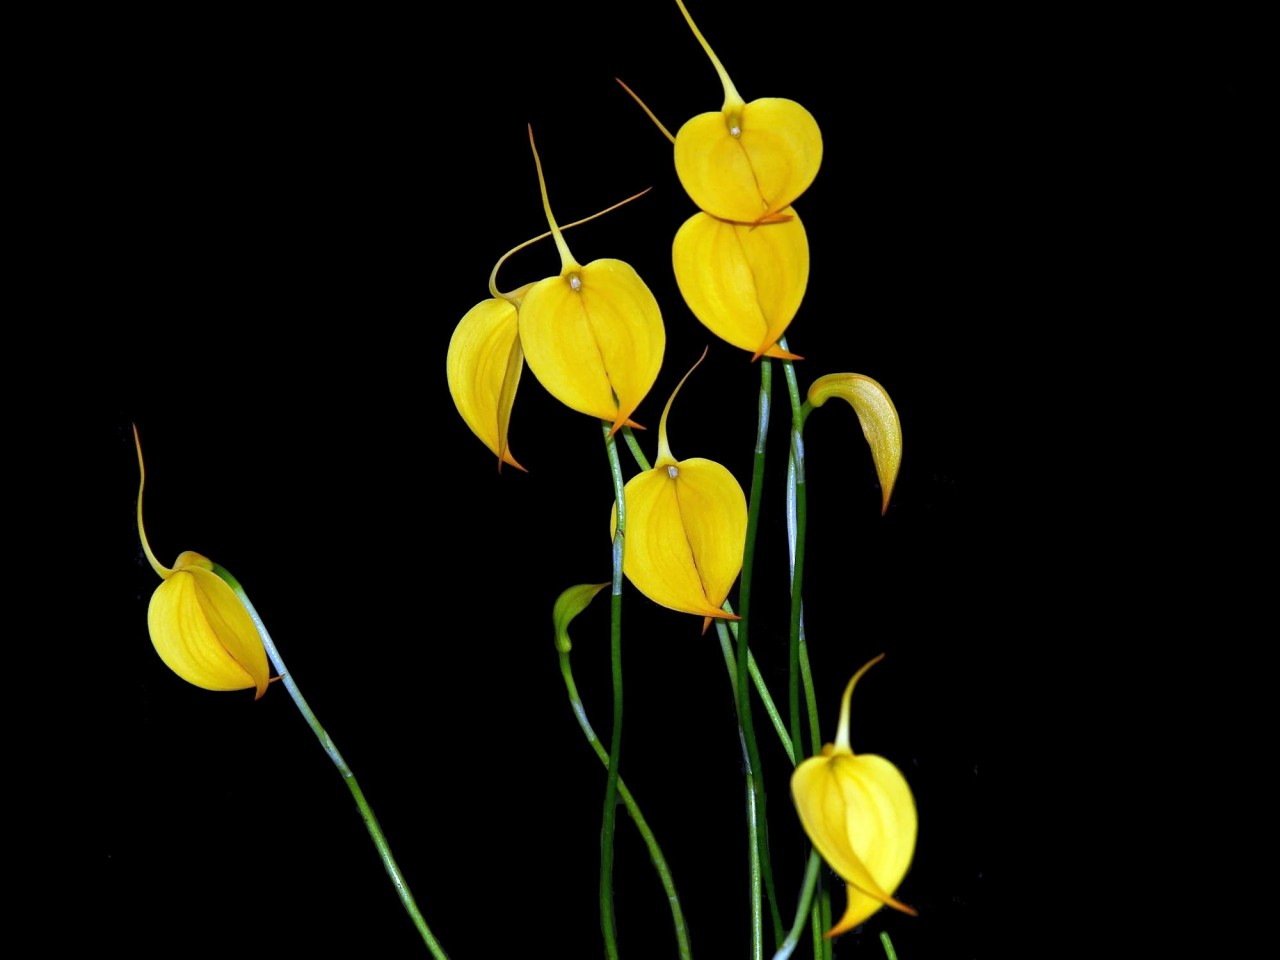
pixel 484 365
pixel 593 336
pixel 877 416
pixel 859 814
pixel 743 283
pixel 760 170
pixel 203 633
pixel 686 529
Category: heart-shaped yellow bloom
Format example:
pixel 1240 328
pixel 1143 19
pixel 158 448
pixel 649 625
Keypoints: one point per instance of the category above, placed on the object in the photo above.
pixel 859 814
pixel 744 283
pixel 593 336
pixel 749 161
pixel 198 626
pixel 686 530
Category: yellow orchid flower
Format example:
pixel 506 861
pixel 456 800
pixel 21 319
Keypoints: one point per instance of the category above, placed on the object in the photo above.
pixel 593 336
pixel 199 627
pixel 877 416
pixel 750 161
pixel 859 814
pixel 743 283
pixel 686 530
pixel 486 359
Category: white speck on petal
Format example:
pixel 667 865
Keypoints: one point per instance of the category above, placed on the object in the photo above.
pixel 575 281
pixel 672 472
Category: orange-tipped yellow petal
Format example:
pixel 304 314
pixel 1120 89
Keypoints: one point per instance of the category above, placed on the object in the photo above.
pixel 743 283
pixel 858 812
pixel 686 530
pixel 752 173
pixel 203 633
pixel 594 338
pixel 484 365
pixel 877 416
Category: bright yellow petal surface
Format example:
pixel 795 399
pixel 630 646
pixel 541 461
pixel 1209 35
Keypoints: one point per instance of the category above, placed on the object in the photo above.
pixel 743 283
pixel 204 634
pixel 859 813
pixel 877 416
pixel 591 334
pixel 484 366
pixel 759 170
pixel 686 529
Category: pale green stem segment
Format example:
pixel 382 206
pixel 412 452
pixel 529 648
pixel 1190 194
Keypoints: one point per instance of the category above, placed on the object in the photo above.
pixel 802 908
pixel 607 922
pixel 798 649
pixel 366 812
pixel 889 952
pixel 633 808
pixel 774 716
pixel 753 834
pixel 742 633
pixel 634 445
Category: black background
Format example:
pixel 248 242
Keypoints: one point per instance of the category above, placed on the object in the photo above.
pixel 277 221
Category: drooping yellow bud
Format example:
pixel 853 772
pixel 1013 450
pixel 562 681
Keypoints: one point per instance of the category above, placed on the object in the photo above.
pixel 859 814
pixel 877 416
pixel 744 283
pixel 686 529
pixel 750 161
pixel 198 625
pixel 593 336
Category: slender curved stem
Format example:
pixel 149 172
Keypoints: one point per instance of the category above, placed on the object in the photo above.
pixel 607 921
pixel 889 952
pixel 802 908
pixel 633 808
pixel 326 742
pixel 798 648
pixel 744 602
pixel 756 678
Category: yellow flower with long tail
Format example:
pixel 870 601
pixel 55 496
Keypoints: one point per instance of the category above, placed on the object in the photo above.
pixel 686 529
pixel 859 814
pixel 198 626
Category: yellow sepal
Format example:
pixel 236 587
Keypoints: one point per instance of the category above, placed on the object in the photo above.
pixel 594 338
pixel 686 529
pixel 859 813
pixel 756 173
pixel 484 365
pixel 204 634
pixel 876 415
pixel 743 283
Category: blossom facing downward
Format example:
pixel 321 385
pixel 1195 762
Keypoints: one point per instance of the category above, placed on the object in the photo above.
pixel 593 335
pixel 743 283
pixel 750 161
pixel 198 626
pixel 876 415
pixel 686 530
pixel 484 365
pixel 859 814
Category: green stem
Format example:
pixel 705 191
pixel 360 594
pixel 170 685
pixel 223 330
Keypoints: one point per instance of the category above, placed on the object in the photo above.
pixel 607 922
pixel 634 446
pixel 798 649
pixel 796 516
pixel 774 716
pixel 633 808
pixel 802 908
pixel 326 742
pixel 744 600
pixel 753 834
pixel 889 952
